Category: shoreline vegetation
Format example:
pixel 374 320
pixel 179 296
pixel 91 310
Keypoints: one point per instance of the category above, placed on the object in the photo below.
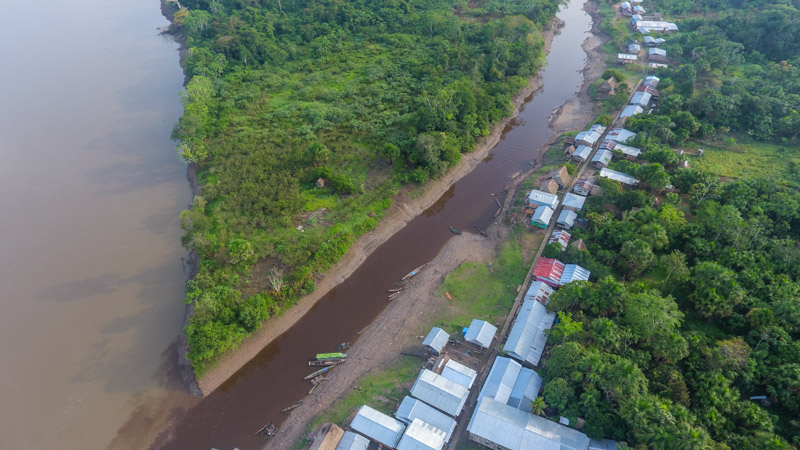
pixel 234 282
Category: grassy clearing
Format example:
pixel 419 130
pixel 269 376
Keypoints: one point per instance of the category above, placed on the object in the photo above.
pixel 747 160
pixel 382 390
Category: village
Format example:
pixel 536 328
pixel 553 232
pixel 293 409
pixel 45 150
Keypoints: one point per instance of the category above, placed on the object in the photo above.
pixel 482 384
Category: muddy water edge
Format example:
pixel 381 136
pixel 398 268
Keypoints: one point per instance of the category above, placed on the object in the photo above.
pixel 256 394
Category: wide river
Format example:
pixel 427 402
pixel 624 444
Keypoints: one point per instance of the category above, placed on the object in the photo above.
pixel 91 273
pixel 91 279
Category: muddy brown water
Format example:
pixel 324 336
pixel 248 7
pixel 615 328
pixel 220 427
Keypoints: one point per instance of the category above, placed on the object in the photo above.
pixel 91 281
pixel 273 380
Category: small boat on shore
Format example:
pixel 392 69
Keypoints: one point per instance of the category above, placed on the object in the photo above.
pixel 327 362
pixel 267 431
pixel 327 356
pixel 289 408
pixel 455 230
pixel 414 272
pixel 318 372
pixel 481 231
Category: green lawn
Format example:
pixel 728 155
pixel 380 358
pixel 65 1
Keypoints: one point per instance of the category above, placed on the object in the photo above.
pixel 747 160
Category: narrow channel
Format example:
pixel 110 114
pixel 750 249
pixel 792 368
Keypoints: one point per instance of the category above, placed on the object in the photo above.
pixel 271 381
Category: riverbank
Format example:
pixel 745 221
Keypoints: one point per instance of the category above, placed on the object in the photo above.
pixel 412 310
pixel 407 205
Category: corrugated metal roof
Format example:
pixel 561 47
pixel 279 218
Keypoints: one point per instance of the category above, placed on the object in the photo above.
pixel 628 150
pixel 421 436
pixel 525 390
pixel 439 392
pixel 574 272
pixel 523 331
pixel 657 52
pixel 378 426
pixel 625 57
pixel 652 81
pixel 602 444
pixel 592 135
pixel 459 373
pixel 500 381
pixel 539 292
pixel 481 332
pixel 353 441
pixel 640 98
pixel 548 268
pixel 623 178
pixel 583 187
pixel 517 430
pixel 436 339
pixel 411 408
pixel 656 25
pixel 576 201
pixel 543 198
pixel 560 236
pixel 620 135
pixel 543 214
pixel 630 111
pixel 567 218
pixel 582 152
pixel 540 339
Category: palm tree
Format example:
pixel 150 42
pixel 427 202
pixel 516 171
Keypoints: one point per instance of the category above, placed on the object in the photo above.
pixel 538 406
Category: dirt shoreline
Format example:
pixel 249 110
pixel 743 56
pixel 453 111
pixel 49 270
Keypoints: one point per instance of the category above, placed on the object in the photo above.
pixel 402 212
pixel 412 309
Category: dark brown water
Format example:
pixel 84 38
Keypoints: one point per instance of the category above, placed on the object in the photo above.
pixel 91 280
pixel 271 381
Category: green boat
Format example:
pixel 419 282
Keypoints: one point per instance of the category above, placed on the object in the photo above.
pixel 324 356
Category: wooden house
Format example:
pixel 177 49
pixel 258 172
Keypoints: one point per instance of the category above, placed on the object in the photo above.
pixel 607 88
pixel 549 185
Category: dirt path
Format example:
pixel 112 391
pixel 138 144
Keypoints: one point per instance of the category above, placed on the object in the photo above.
pixel 403 319
pixel 406 207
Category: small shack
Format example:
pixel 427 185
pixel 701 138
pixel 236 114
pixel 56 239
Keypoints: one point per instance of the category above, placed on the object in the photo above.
pixel 549 185
pixel 540 198
pixel 607 89
pixel 620 135
pixel 560 236
pixel 602 158
pixel 436 340
pixel 566 219
pixel 640 98
pixel 581 154
pixel 630 111
pixel 548 271
pixel 542 216
pixel 327 438
pixel 583 187
pixel 561 176
pixel 352 441
pixel 574 272
pixel 579 244
pixel 480 332
pixel 657 54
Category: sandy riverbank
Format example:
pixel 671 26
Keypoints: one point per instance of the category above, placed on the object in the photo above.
pixel 406 207
pixel 413 308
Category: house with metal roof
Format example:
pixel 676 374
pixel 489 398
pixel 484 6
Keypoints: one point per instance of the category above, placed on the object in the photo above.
pixel 436 340
pixel 656 54
pixel 500 426
pixel 525 390
pixel 581 153
pixel 630 111
pixel 422 436
pixel 561 176
pixel 443 394
pixel 567 218
pixel 627 58
pixel 623 178
pixel 638 10
pixel 480 332
pixel 583 187
pixel 641 98
pixel 411 408
pixel 501 379
pixel 656 26
pixel 591 136
pixel 461 374
pixel 573 201
pixel 574 272
pixel 602 444
pixel 651 81
pixel 628 152
pixel 620 135
pixel 626 8
pixel 542 216
pixel 652 42
pixel 560 236
pixel 527 338
pixel 601 159
pixel 378 426
pixel 539 292
pixel 634 48
pixel 539 198
pixel 352 441
pixel 548 271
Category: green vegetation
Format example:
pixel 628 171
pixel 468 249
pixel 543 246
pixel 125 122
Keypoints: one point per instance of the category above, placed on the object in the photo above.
pixel 752 159
pixel 366 96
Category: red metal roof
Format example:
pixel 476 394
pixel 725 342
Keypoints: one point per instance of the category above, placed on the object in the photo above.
pixel 548 268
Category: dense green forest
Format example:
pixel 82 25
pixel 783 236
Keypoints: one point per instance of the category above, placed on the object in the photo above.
pixel 695 301
pixel 364 95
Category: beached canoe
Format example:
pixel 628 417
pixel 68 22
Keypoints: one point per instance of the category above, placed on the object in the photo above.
pixel 324 356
